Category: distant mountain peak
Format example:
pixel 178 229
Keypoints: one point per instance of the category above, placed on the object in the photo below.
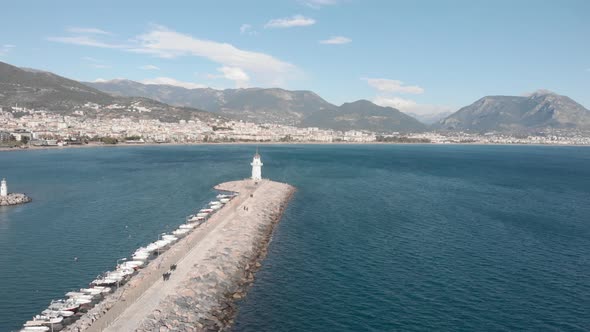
pixel 540 110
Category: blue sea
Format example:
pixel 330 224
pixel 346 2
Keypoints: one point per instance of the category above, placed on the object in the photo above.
pixel 376 238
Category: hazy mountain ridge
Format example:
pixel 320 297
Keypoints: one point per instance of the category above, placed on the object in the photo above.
pixel 38 89
pixel 272 105
pixel 365 114
pixel 540 110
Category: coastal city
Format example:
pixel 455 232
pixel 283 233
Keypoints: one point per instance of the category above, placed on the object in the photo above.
pixel 21 127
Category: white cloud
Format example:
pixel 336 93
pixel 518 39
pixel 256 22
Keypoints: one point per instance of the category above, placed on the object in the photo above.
pixel 245 28
pixel 395 86
pixel 166 43
pixel 262 68
pixel 6 48
pixel 84 41
pixel 235 74
pixel 410 106
pixel 289 22
pixel 173 82
pixel 317 4
pixel 95 31
pixel 149 67
pixel 336 40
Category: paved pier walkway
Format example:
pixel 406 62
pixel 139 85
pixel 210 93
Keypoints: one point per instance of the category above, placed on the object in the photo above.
pixel 208 260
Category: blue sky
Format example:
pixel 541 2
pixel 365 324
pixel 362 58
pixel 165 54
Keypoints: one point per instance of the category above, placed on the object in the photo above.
pixel 421 56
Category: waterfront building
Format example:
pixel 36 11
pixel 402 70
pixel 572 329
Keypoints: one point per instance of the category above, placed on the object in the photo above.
pixel 3 188
pixel 256 167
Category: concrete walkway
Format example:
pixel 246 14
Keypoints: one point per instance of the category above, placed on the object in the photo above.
pixel 136 305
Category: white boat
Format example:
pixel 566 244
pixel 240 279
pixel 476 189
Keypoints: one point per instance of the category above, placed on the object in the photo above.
pixel 205 210
pixel 216 207
pixel 141 256
pixel 91 291
pixel 103 290
pixel 47 320
pixel 169 237
pixel 79 296
pixel 214 203
pixel 51 313
pixel 224 200
pixel 180 232
pixel 35 328
pixel 204 214
pixel 131 264
pixel 151 247
pixel 187 226
pixel 220 196
pixel 66 305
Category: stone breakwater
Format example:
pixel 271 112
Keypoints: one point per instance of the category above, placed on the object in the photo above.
pixel 14 199
pixel 215 264
pixel 205 301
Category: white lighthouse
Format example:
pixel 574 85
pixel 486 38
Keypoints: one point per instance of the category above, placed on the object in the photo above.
pixel 256 167
pixel 3 188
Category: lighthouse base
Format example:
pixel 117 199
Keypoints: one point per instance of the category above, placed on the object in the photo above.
pixel 14 199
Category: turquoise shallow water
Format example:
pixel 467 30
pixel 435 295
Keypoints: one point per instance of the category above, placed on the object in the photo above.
pixel 377 238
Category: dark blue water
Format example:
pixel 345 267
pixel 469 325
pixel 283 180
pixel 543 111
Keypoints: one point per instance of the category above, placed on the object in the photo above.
pixel 377 238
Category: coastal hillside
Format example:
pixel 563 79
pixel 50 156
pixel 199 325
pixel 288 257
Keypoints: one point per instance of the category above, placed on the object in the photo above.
pixel 540 110
pixel 297 108
pixel 252 104
pixel 23 88
pixel 363 114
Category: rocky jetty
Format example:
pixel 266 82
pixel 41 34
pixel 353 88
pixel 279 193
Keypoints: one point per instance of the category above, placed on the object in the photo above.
pixel 14 199
pixel 215 265
pixel 205 301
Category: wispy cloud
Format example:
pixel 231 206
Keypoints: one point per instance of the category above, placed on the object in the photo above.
pixel 317 4
pixel 261 68
pixel 6 48
pixel 166 43
pixel 149 67
pixel 94 31
pixel 336 40
pixel 235 74
pixel 84 41
pixel 289 22
pixel 394 86
pixel 246 29
pixel 173 82
pixel 410 106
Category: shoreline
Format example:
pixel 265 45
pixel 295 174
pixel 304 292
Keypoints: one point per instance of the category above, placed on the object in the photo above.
pixel 120 145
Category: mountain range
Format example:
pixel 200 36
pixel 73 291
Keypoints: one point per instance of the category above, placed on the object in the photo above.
pixel 43 90
pixel 540 110
pixel 274 105
pixel 38 89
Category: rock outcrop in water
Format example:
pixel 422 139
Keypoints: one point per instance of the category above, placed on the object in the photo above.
pixel 14 199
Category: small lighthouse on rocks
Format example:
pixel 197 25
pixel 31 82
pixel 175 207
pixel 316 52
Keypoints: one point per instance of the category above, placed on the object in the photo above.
pixel 3 188
pixel 256 167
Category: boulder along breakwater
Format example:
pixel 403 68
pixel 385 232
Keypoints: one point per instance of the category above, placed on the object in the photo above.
pixel 213 266
pixel 14 199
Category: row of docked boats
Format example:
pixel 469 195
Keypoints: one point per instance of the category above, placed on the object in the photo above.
pixel 64 311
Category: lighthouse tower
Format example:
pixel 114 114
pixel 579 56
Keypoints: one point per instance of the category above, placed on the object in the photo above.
pixel 3 188
pixel 256 167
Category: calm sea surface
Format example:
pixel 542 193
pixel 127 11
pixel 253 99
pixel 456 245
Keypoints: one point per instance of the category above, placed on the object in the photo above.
pixel 377 238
